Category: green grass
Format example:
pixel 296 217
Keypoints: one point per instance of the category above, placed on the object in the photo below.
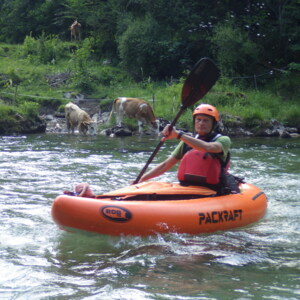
pixel 24 71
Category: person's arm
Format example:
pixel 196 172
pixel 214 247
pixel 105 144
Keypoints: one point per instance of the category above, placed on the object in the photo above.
pixel 160 169
pixel 212 147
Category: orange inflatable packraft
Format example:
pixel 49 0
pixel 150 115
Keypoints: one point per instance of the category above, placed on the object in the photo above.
pixel 158 207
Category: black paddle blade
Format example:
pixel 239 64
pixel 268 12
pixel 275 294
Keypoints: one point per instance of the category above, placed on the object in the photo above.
pixel 200 80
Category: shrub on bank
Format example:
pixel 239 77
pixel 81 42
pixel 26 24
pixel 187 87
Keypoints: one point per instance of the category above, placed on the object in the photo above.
pixel 21 119
pixel 8 121
pixel 290 115
pixel 45 49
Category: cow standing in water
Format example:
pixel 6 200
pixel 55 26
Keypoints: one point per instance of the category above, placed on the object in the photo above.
pixel 78 118
pixel 75 31
pixel 135 108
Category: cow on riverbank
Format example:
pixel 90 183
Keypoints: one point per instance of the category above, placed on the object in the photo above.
pixel 134 108
pixel 78 118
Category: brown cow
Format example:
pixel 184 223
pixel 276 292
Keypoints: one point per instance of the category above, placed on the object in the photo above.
pixel 78 118
pixel 135 108
pixel 75 31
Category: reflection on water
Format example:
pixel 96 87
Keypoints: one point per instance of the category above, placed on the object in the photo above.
pixel 39 261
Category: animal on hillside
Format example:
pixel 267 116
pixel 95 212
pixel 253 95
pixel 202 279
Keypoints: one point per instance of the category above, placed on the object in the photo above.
pixel 78 118
pixel 134 108
pixel 75 31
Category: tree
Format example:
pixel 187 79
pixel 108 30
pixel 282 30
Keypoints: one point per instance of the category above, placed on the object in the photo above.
pixel 145 51
pixel 19 18
pixel 162 38
pixel 235 53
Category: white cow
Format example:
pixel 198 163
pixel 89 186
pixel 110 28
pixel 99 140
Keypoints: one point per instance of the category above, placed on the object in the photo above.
pixel 78 118
pixel 135 108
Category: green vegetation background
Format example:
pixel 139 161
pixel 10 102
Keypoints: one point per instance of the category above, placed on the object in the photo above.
pixel 145 49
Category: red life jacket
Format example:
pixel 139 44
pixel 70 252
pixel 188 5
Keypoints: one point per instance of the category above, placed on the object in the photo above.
pixel 201 168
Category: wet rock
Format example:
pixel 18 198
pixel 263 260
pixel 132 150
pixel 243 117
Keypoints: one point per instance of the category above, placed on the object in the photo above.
pixel 291 129
pixel 119 131
pixel 48 118
pixel 267 132
pixel 54 123
pixel 233 126
pixel 272 129
pixel 163 123
pixel 285 134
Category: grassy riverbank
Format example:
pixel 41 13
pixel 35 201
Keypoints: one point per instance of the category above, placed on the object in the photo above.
pixel 38 72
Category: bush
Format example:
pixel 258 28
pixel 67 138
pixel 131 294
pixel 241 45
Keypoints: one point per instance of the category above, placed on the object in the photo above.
pixel 8 119
pixel 45 49
pixel 81 74
pixel 18 119
pixel 254 116
pixel 235 52
pixel 29 109
pixel 290 115
pixel 145 51
pixel 108 75
pixel 288 84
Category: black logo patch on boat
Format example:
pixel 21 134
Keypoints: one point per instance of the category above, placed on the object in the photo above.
pixel 116 213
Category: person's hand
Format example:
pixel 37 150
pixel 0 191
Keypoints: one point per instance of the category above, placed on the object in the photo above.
pixel 167 134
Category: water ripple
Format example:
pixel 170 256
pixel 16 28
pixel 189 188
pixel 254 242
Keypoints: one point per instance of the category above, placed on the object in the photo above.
pixel 39 261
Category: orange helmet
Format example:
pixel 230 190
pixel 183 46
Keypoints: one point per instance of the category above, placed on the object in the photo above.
pixel 207 109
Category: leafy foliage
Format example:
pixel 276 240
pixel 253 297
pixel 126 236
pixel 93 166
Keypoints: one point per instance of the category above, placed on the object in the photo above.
pixel 162 39
pixel 12 117
pixel 234 51
pixel 28 109
pixel 44 49
pixel 137 47
pixel 144 51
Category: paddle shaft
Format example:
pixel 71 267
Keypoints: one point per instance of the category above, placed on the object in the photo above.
pixel 182 109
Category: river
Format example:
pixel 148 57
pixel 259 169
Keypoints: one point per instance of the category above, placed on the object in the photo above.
pixel 40 261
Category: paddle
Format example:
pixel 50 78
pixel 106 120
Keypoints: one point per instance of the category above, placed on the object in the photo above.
pixel 202 77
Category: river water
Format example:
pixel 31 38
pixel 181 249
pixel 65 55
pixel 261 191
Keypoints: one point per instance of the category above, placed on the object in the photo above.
pixel 40 261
